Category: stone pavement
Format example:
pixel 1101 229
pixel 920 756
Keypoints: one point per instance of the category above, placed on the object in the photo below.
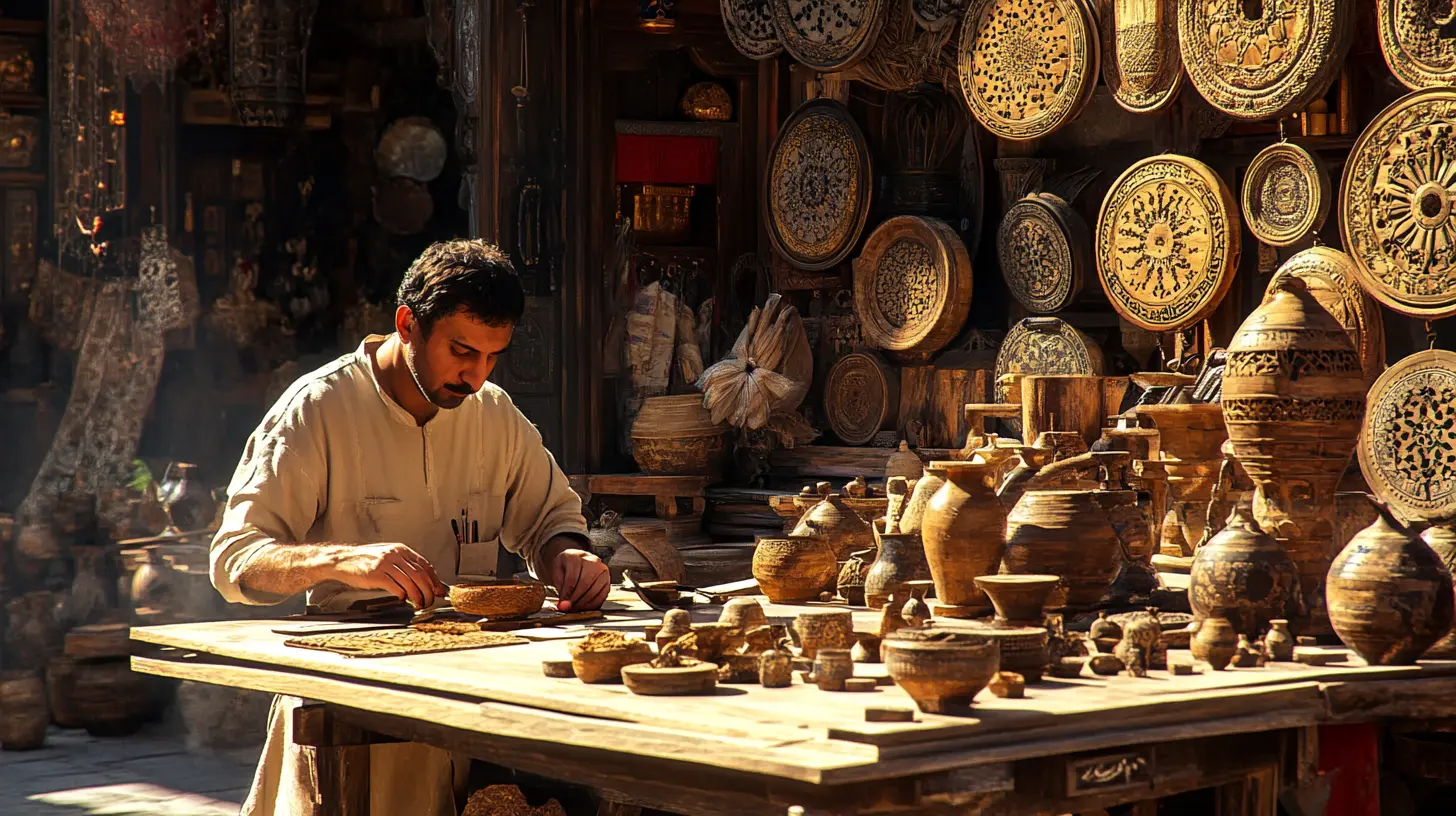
pixel 148 774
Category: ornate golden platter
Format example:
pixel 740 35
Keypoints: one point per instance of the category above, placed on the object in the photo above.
pixel 1332 278
pixel 1027 67
pixel 1407 443
pixel 912 285
pixel 828 35
pixel 1167 242
pixel 1140 57
pixel 934 15
pixel 1045 251
pixel 1045 345
pixel 750 27
pixel 861 397
pixel 1286 194
pixel 1396 202
pixel 817 195
pixel 1416 40
pixel 1266 59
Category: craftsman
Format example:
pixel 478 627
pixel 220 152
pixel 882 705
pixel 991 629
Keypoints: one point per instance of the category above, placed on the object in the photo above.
pixel 348 488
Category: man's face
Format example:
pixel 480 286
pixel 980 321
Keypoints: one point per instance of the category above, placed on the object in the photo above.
pixel 452 360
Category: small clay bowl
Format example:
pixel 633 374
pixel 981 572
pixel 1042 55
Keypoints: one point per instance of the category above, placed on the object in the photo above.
pixel 499 600
pixel 743 613
pixel 1018 598
pixel 605 666
pixel 698 678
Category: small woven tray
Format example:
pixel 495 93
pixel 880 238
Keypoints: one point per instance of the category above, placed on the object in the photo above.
pixel 395 642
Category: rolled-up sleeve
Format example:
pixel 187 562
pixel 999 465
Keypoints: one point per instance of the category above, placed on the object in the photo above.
pixel 540 504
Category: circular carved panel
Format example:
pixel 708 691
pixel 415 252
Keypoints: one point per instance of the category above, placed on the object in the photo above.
pixel 1330 275
pixel 828 35
pixel 1408 439
pixel 1415 36
pixel 1043 246
pixel 1140 57
pixel 1286 194
pixel 1396 204
pixel 934 15
pixel 912 285
pixel 1167 242
pixel 1263 59
pixel 818 186
pixel 1027 67
pixel 861 397
pixel 1045 345
pixel 750 27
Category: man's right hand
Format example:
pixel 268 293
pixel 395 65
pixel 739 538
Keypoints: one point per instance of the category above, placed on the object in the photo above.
pixel 392 568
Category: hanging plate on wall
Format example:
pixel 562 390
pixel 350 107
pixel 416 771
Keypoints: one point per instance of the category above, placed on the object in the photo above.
pixel 1407 443
pixel 1415 38
pixel 912 285
pixel 1332 277
pixel 750 27
pixel 1286 194
pixel 1167 242
pixel 861 397
pixel 934 15
pixel 1028 67
pixel 1396 205
pixel 1045 251
pixel 817 195
pixel 829 35
pixel 1268 67
pixel 1140 58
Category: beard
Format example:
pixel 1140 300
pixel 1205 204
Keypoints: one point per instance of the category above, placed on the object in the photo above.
pixel 446 397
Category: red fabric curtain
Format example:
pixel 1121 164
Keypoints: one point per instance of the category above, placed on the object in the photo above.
pixel 666 159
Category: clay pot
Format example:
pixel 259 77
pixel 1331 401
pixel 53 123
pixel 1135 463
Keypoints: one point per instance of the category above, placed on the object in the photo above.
pixel 916 612
pixel 504 599
pixel 793 569
pixel 831 668
pixel 189 504
pixel 676 436
pixel 743 613
pixel 1215 643
pixel 1279 642
pixel 851 581
pixel 1442 540
pixel 964 534
pixel 901 559
pixel 1189 441
pixel 1390 596
pixel 905 463
pixel 925 488
pixel 834 521
pixel 597 661
pixel 824 629
pixel 151 583
pixel 941 670
pixel 1019 599
pixel 1244 575
pixel 23 713
pixel 109 699
pixel 775 669
pixel 1071 533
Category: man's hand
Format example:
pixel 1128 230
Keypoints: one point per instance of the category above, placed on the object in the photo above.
pixel 393 568
pixel 581 580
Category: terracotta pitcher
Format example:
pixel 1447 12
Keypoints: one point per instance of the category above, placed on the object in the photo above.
pixel 964 533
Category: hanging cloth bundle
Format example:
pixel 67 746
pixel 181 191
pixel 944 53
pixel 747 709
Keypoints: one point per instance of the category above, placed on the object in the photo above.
pixel 748 386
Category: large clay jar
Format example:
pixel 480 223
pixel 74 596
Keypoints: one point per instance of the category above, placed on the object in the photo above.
pixel 901 560
pixel 925 488
pixel 676 436
pixel 834 521
pixel 940 670
pixel 793 569
pixel 189 504
pixel 964 533
pixel 1071 533
pixel 1390 597
pixel 23 713
pixel 1242 574
pixel 1442 540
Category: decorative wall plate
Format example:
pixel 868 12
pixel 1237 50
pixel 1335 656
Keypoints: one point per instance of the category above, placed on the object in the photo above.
pixel 934 15
pixel 1417 43
pixel 912 285
pixel 1045 345
pixel 1027 67
pixel 1333 279
pixel 750 27
pixel 1045 251
pixel 818 189
pixel 861 397
pixel 1286 194
pixel 1140 57
pixel 1396 205
pixel 1407 443
pixel 828 35
pixel 1167 242
pixel 1268 67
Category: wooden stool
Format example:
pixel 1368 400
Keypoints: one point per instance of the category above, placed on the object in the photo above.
pixel 665 490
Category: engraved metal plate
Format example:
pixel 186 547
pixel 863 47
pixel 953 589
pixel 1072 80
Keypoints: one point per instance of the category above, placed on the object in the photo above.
pixel 1408 439
pixel 1140 58
pixel 1417 39
pixel 750 27
pixel 829 35
pixel 818 190
pixel 1286 194
pixel 912 285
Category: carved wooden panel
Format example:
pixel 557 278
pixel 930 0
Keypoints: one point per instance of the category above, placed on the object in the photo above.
pixel 1140 57
pixel 1408 439
pixel 936 15
pixel 1045 345
pixel 19 65
pixel 531 366
pixel 828 35
pixel 1046 253
pixel 912 285
pixel 1418 42
pixel 818 189
pixel 20 237
pixel 1332 278
pixel 1167 242
pixel 751 29
pixel 1396 201
pixel 1027 67
pixel 861 397
pixel 1266 59
pixel 1286 194
pixel 19 142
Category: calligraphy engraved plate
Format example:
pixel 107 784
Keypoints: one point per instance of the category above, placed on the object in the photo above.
pixel 18 67
pixel 1418 42
pixel 1407 443
pixel 1332 278
pixel 861 398
pixel 1286 194
pixel 1396 201
pixel 750 27
pixel 829 35
pixel 1028 67
pixel 1045 345
pixel 1266 59
pixel 1140 57
pixel 818 190
pixel 1107 773
pixel 1167 242
pixel 1045 251
pixel 912 285
pixel 936 15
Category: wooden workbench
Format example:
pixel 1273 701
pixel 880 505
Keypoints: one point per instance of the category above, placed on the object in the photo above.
pixel 755 750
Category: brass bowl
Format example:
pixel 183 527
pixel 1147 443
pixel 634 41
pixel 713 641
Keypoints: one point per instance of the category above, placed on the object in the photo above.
pixel 502 600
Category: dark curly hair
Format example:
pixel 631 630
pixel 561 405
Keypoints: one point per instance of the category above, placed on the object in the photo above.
pixel 470 276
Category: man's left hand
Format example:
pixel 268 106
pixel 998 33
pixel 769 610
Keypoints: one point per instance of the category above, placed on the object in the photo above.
pixel 581 580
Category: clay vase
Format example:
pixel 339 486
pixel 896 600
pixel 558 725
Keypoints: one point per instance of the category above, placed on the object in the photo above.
pixel 1442 540
pixel 901 559
pixel 1189 441
pixel 851 581
pixel 1390 597
pixel 1019 600
pixel 939 669
pixel 1215 643
pixel 189 504
pixel 831 668
pixel 1244 575
pixel 905 463
pixel 23 713
pixel 833 520
pixel 793 569
pixel 1069 533
pixel 1279 642
pixel 89 598
pixel 824 629
pixel 925 488
pixel 152 582
pixel 963 533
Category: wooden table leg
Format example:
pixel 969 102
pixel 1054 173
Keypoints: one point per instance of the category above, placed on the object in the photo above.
pixel 341 760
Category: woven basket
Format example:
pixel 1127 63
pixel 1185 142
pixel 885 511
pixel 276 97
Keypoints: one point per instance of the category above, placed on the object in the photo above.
pixel 502 600
pixel 675 436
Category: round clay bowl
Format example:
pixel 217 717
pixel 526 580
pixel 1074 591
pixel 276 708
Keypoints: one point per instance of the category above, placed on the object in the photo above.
pixel 606 666
pixel 941 670
pixel 1018 598
pixel 505 600
pixel 700 678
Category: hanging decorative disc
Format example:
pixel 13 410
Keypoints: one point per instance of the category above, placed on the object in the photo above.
pixel 1408 439
pixel 1046 345
pixel 750 26
pixel 1140 58
pixel 1332 277
pixel 1027 67
pixel 912 285
pixel 861 397
pixel 1396 203
pixel 1264 60
pixel 828 35
pixel 1415 36
pixel 1286 194
pixel 818 190
pixel 1045 250
pixel 934 15
pixel 1167 242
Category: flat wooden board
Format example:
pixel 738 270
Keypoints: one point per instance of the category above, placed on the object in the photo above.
pixel 637 484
